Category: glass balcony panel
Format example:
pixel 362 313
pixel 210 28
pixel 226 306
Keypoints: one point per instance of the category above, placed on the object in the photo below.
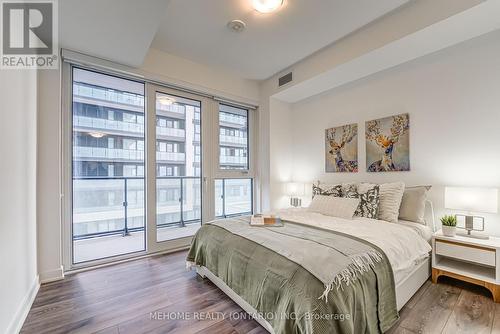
pixel 171 132
pixel 233 197
pixel 170 156
pixel 191 199
pixel 243 141
pixel 237 196
pixel 106 124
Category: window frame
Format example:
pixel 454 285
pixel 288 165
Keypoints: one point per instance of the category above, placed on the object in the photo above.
pixel 210 137
pixel 221 173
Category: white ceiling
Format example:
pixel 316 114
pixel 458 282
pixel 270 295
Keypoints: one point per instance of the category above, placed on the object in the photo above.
pixel 117 30
pixel 196 30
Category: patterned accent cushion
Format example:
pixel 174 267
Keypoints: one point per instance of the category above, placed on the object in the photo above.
pixel 327 190
pixel 390 195
pixel 369 201
pixel 341 207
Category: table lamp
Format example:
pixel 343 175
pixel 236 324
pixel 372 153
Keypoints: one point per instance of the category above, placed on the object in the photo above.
pixel 294 190
pixel 481 200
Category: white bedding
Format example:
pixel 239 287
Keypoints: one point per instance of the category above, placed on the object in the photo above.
pixel 404 244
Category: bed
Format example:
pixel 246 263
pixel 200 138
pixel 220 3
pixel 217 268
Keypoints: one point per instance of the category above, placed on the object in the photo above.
pixel 271 274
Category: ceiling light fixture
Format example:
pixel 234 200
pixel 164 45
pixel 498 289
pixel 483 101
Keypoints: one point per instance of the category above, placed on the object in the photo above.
pixel 96 134
pixel 267 6
pixel 236 25
pixel 165 100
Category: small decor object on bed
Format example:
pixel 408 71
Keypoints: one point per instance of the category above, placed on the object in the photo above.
pixel 449 225
pixel 388 144
pixel 266 220
pixel 341 149
pixel 369 200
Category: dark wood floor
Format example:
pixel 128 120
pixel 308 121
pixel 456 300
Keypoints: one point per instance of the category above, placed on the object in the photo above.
pixel 124 298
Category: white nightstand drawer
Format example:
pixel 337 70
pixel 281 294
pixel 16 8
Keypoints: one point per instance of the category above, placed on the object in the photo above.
pixel 471 253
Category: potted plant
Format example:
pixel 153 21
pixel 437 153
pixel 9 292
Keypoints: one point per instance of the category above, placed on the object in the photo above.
pixel 449 225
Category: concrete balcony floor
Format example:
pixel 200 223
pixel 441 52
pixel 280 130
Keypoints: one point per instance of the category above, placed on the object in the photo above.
pixel 102 247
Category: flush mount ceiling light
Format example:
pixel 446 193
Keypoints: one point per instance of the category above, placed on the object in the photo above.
pixel 267 6
pixel 165 100
pixel 236 25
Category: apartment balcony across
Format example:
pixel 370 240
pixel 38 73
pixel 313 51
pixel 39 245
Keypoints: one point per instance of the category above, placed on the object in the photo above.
pixel 106 154
pixel 111 154
pixel 233 141
pixel 231 120
pixel 232 160
pixel 173 110
pixel 120 127
pixel 107 95
pixel 104 125
pixel 178 134
pixel 175 157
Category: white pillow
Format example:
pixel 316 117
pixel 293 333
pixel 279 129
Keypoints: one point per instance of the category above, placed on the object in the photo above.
pixel 334 206
pixel 390 195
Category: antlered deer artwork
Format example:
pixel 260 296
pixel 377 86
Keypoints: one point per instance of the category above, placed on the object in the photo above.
pixel 387 144
pixel 341 148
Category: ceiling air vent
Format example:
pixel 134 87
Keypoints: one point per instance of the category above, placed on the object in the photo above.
pixel 285 79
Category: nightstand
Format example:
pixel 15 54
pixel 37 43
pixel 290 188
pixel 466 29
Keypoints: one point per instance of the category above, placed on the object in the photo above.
pixel 472 260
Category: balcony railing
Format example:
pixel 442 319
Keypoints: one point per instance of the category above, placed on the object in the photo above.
pixel 174 108
pixel 227 159
pixel 113 125
pixel 126 197
pixel 172 132
pixel 106 124
pixel 233 140
pixel 170 156
pixel 108 95
pixel 233 119
pixel 122 154
pixel 107 153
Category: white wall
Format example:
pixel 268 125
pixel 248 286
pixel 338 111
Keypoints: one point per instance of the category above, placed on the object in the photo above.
pixel 186 73
pixel 18 277
pixel 454 104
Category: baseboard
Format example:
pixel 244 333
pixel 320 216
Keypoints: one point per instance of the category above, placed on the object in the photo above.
pixel 52 275
pixel 23 310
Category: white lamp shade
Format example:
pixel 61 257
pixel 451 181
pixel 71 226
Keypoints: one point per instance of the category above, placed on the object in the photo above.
pixel 471 199
pixel 295 189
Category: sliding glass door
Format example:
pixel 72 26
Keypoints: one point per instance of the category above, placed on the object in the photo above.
pixel 107 166
pixel 148 165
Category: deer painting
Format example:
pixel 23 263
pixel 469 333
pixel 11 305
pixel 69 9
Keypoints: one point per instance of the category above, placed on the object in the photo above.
pixel 386 143
pixel 336 149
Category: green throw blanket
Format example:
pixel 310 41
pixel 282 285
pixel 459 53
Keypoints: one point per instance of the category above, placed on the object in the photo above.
pixel 300 278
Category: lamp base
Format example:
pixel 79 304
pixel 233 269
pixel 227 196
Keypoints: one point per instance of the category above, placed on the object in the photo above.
pixel 473 236
pixel 469 227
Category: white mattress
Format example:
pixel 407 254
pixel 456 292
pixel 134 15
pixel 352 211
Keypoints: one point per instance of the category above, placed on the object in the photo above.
pixel 404 243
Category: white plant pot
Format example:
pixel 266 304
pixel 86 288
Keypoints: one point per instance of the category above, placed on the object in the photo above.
pixel 449 231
